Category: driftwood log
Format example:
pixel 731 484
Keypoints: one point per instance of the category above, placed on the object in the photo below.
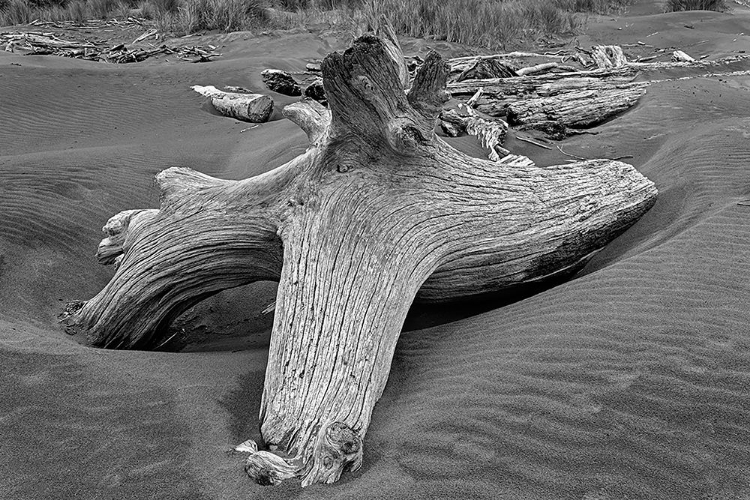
pixel 255 108
pixel 575 109
pixel 378 211
pixel 554 102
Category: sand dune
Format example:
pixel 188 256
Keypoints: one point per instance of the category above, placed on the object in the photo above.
pixel 630 381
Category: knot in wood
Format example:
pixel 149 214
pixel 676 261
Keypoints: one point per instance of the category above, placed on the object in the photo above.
pixel 342 440
pixel 363 84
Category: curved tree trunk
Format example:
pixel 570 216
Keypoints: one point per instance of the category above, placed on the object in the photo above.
pixel 377 211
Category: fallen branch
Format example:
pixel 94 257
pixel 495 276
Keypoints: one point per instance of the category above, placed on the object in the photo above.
pixel 539 68
pixel 38 43
pixel 581 158
pixel 145 35
pixel 532 141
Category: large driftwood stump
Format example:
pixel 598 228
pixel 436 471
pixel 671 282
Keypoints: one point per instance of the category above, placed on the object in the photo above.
pixel 377 211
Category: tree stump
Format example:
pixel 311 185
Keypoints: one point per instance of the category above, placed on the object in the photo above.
pixel 378 210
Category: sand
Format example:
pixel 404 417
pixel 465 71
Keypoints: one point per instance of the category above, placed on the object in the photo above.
pixel 630 381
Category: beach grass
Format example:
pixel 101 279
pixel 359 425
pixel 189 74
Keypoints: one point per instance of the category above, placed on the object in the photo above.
pixel 681 5
pixel 482 23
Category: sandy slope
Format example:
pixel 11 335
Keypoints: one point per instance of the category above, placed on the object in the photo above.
pixel 631 381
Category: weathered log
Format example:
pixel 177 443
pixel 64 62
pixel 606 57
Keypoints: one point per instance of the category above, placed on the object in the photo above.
pixel 255 108
pixel 316 91
pixel 377 211
pixel 281 82
pixel 545 84
pixel 550 102
pixel 575 109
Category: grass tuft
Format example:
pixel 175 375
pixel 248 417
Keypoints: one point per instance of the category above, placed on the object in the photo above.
pixel 17 12
pixel 101 9
pixel 680 5
pixel 476 22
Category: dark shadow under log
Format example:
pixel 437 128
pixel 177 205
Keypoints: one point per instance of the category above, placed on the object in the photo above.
pixel 378 211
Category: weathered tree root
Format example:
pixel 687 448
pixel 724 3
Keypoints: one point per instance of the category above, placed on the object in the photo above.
pixel 378 210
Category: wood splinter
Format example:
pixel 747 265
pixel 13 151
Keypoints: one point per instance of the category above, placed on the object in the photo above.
pixel 378 212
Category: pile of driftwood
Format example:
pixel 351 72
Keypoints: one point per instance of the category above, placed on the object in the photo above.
pixel 566 96
pixel 46 43
pixel 89 23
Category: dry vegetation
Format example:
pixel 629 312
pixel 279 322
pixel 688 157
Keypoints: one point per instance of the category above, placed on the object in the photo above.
pixel 679 5
pixel 483 23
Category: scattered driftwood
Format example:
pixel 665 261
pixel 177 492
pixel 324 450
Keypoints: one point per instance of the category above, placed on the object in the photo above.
pixel 254 108
pixel 491 133
pixel 567 100
pixel 703 63
pixel 281 82
pixel 377 212
pixel 89 23
pixel 122 54
pixel 39 43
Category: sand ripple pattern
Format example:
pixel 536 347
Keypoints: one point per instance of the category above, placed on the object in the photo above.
pixel 631 381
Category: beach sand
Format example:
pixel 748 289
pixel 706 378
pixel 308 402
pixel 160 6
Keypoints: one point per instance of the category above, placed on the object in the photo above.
pixel 632 380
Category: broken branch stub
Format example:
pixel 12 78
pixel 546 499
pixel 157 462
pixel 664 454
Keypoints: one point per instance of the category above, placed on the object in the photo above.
pixel 378 211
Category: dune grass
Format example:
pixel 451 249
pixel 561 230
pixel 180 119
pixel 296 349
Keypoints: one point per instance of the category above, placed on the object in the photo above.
pixel 680 5
pixel 482 23
pixel 14 12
